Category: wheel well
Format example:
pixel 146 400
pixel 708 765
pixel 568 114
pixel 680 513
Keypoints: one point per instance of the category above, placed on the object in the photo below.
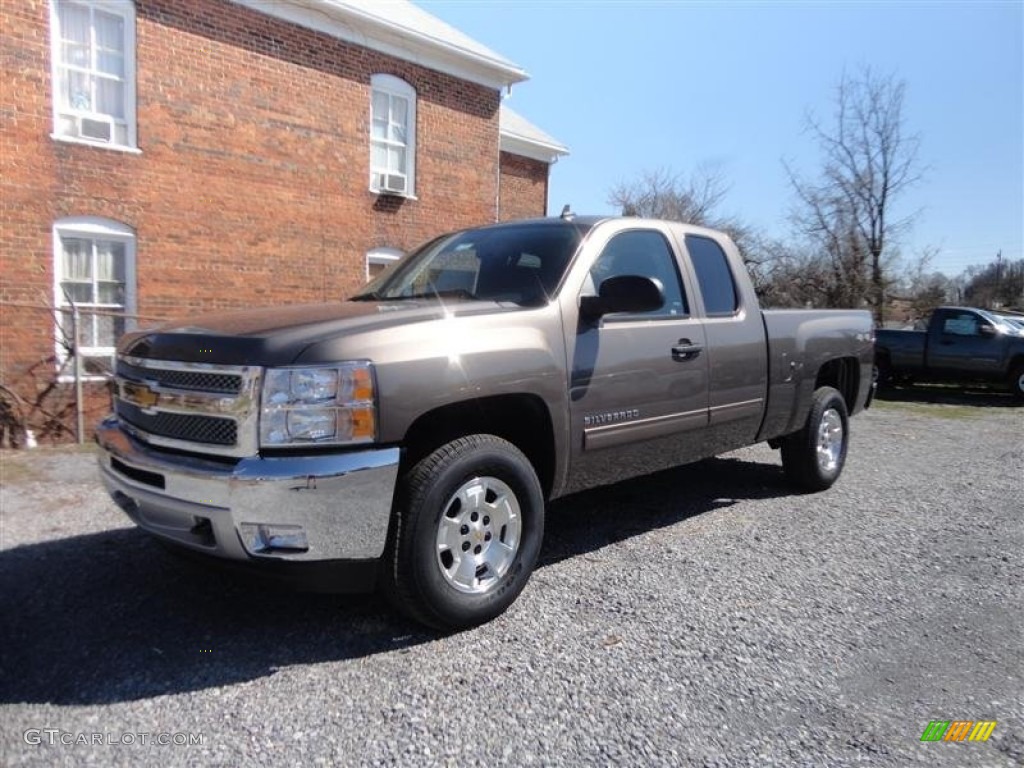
pixel 523 420
pixel 844 374
pixel 883 367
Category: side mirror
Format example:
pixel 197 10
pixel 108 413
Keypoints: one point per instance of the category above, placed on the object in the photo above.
pixel 624 293
pixel 986 330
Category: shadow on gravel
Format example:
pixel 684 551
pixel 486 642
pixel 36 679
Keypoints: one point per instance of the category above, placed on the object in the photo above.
pixel 977 396
pixel 112 616
pixel 590 520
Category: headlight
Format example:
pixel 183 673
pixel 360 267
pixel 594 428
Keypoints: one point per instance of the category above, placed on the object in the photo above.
pixel 330 405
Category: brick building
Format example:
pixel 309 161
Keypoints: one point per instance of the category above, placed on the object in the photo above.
pixel 165 157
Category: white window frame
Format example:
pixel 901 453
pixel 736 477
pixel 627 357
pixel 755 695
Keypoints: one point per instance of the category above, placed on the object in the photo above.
pixel 394 87
pixel 61 112
pixel 91 228
pixel 384 256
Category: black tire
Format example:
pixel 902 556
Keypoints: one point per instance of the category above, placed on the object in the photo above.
pixel 806 466
pixel 1017 381
pixel 883 373
pixel 423 580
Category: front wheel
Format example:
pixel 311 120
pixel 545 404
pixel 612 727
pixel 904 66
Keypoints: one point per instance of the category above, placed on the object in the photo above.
pixel 469 520
pixel 813 458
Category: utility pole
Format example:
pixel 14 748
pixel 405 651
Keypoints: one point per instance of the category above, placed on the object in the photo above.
pixel 999 280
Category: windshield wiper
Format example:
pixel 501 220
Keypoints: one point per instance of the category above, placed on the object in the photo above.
pixel 458 293
pixel 371 296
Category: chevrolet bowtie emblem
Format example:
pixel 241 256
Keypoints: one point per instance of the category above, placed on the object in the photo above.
pixel 139 394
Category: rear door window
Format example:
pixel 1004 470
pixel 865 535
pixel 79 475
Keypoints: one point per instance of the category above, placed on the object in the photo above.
pixel 714 277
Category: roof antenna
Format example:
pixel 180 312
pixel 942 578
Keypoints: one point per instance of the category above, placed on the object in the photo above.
pixel 567 214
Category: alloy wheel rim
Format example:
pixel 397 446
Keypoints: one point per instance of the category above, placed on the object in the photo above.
pixel 478 535
pixel 830 440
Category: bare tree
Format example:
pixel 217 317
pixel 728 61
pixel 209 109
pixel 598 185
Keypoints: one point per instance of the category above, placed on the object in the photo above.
pixel 664 194
pixel 797 274
pixel 998 285
pixel 932 292
pixel 783 276
pixel 868 160
pixel 923 289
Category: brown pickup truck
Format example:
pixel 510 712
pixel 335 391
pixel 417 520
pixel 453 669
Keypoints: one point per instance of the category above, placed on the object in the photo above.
pixel 411 436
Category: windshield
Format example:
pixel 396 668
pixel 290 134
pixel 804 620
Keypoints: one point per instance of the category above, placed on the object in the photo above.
pixel 520 264
pixel 1004 324
pixel 1015 323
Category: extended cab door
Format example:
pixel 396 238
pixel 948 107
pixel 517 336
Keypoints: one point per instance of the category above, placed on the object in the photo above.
pixel 638 383
pixel 737 354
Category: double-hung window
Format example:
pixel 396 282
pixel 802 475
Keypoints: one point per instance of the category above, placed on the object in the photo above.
pixel 392 136
pixel 94 270
pixel 93 50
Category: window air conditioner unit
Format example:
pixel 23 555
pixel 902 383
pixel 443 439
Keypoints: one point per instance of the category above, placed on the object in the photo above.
pixel 392 184
pixel 96 129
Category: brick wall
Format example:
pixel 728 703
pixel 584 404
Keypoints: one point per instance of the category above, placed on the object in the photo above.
pixel 524 187
pixel 251 187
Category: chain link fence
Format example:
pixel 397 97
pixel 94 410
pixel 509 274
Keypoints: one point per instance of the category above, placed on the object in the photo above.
pixel 49 398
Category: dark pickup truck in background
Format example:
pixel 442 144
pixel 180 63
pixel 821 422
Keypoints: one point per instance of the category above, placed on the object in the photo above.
pixel 412 435
pixel 958 344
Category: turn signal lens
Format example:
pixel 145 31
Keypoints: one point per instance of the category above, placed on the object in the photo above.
pixel 362 385
pixel 364 424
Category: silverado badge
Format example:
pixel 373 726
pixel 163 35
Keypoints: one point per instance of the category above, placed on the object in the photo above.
pixel 611 417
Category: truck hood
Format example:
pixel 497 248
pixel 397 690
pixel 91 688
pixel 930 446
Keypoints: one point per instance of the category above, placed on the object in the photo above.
pixel 278 335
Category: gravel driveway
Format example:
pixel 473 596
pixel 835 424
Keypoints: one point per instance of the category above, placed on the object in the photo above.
pixel 702 616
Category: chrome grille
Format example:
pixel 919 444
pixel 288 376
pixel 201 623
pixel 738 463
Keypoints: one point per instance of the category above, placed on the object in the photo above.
pixel 180 426
pixel 199 407
pixel 199 381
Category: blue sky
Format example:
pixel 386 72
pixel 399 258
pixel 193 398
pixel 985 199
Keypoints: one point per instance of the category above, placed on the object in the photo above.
pixel 641 85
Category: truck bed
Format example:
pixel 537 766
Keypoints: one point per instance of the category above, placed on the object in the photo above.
pixel 906 349
pixel 801 341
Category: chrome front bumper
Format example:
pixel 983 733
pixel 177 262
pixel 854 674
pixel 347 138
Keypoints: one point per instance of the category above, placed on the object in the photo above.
pixel 340 502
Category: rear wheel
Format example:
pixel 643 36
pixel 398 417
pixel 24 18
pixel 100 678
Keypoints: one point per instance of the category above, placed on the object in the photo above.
pixel 813 458
pixel 469 520
pixel 1017 381
pixel 883 372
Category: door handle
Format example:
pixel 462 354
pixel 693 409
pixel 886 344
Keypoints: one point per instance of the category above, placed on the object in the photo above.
pixel 686 350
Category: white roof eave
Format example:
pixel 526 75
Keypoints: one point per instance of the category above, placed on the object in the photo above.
pixel 361 27
pixel 521 137
pixel 532 148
